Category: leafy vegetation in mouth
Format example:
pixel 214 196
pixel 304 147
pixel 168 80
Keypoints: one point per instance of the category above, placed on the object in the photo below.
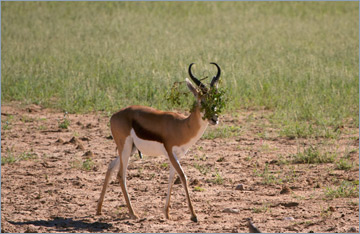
pixel 213 103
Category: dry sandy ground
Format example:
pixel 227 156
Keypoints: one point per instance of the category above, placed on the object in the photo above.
pixel 49 189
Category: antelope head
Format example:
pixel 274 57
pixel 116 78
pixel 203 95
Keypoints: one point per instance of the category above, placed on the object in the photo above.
pixel 208 99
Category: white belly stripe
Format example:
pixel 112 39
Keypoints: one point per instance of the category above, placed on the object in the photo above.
pixel 149 148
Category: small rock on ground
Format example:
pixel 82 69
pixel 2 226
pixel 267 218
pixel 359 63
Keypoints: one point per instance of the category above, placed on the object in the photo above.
pixel 353 229
pixel 289 218
pixel 231 210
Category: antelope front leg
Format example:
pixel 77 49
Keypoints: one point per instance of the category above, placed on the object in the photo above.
pixel 126 195
pixel 171 182
pixel 175 163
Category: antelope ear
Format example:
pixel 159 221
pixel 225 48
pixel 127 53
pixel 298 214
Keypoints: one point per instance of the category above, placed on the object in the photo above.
pixel 191 87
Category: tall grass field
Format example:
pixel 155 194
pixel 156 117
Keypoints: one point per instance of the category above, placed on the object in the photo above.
pixel 300 60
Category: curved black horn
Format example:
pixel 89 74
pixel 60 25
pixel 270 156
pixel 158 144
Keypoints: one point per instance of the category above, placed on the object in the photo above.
pixel 217 77
pixel 196 81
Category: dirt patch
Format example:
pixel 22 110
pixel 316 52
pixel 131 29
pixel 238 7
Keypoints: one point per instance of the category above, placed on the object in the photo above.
pixel 52 178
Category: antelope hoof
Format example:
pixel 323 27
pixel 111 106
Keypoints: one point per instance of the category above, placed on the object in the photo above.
pixel 134 216
pixel 194 219
pixel 98 212
pixel 167 216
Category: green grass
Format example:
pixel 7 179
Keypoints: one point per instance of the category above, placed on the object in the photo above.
pixel 218 178
pixel 298 59
pixel 64 124
pixel 7 122
pixel 10 158
pixel 202 168
pixel 312 155
pixel 225 131
pixel 345 189
pixel 303 129
pixel 6 126
pixel 199 189
pixel 86 165
pixel 344 164
pixel 262 209
pixel 26 119
pixel 164 165
pixel 27 156
pixel 268 177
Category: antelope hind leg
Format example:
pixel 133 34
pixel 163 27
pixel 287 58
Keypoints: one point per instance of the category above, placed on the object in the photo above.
pixel 171 182
pixel 124 160
pixel 113 166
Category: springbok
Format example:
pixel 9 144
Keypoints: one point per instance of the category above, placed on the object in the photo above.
pixel 155 132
